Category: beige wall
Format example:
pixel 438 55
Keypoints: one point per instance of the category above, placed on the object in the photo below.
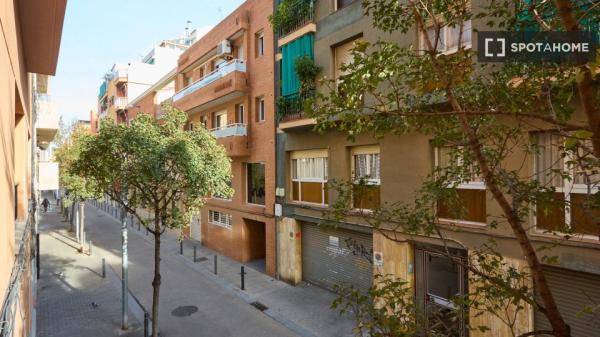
pixel 15 148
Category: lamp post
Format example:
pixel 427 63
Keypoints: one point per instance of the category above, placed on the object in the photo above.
pixel 125 290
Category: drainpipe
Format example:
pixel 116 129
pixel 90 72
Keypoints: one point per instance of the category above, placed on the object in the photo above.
pixel 275 95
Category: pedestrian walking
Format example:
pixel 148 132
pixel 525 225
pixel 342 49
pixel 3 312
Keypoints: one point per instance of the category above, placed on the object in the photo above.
pixel 45 204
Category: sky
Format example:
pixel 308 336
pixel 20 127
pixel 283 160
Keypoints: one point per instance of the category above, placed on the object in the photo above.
pixel 97 34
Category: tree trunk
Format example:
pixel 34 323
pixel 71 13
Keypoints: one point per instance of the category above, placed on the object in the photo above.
pixel 156 282
pixel 586 86
pixel 559 326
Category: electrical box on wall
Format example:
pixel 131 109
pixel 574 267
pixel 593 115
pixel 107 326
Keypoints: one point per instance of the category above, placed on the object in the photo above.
pixel 278 210
pixel 280 192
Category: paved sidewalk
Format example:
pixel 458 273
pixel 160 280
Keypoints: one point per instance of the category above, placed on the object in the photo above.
pixel 73 299
pixel 303 309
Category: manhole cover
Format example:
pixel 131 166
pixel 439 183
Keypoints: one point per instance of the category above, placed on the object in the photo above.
pixel 184 311
pixel 259 306
pixel 201 259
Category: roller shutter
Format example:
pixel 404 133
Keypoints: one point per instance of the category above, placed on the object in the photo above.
pixel 336 256
pixel 573 291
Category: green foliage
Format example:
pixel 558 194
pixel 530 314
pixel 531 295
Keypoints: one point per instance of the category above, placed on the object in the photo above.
pixel 384 310
pixel 287 13
pixel 66 154
pixel 158 165
pixel 307 72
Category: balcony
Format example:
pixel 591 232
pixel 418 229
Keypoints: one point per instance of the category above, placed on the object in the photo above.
pixel 225 83
pixel 120 103
pixel 300 23
pixel 120 74
pixel 234 138
pixel 47 124
pixel 290 111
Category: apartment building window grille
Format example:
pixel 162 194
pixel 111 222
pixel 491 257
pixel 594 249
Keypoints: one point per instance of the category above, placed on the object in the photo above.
pixel 471 191
pixel 260 109
pixel 366 166
pixel 570 208
pixel 448 38
pixel 260 44
pixel 220 219
pixel 255 180
pixel 309 177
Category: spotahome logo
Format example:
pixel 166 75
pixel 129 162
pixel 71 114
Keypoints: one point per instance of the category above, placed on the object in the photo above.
pixel 557 47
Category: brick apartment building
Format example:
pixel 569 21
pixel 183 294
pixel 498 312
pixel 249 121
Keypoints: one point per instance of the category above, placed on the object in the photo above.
pixel 29 43
pixel 225 82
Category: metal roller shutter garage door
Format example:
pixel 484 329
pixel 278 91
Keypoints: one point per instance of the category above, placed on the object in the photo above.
pixel 573 291
pixel 327 259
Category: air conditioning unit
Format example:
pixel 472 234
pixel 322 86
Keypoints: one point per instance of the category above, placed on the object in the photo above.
pixel 224 48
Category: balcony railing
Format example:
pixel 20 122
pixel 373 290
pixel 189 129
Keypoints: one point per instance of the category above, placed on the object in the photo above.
pixel 229 67
pixel 235 129
pixel 120 102
pixel 119 74
pixel 304 13
pixel 291 107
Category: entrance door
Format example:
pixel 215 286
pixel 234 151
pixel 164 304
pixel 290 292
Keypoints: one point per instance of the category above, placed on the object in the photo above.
pixel 439 280
pixel 195 232
pixel 255 238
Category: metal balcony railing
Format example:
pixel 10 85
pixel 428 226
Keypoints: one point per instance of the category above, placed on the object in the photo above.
pixel 291 107
pixel 120 102
pixel 235 129
pixel 304 13
pixel 229 67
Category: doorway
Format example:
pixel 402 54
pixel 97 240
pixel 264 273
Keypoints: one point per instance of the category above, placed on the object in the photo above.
pixel 255 241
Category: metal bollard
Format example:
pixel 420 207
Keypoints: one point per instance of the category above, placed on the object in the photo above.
pixel 195 253
pixel 146 230
pixel 90 248
pixel 103 268
pixel 181 247
pixel 139 226
pixel 215 264
pixel 37 260
pixel 146 323
pixel 242 273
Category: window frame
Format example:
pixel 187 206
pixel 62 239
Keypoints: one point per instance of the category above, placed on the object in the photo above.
pixel 260 43
pixel 568 187
pixel 247 168
pixel 470 185
pixel 445 29
pixel 239 113
pixel 227 224
pixel 300 155
pixel 261 114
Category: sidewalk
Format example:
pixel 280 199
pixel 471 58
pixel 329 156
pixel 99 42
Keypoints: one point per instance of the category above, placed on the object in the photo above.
pixel 303 309
pixel 73 298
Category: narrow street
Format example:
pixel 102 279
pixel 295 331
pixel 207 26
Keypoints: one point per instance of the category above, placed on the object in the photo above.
pixel 194 302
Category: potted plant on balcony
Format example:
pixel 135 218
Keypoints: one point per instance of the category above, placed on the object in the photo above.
pixel 290 14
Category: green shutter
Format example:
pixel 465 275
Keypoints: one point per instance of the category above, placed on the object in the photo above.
pixel 290 52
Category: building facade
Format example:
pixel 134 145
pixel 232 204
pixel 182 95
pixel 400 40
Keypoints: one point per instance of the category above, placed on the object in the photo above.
pixel 30 39
pixel 396 166
pixel 225 82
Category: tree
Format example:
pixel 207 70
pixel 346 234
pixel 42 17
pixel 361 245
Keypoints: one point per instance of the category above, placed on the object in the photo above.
pixel 155 166
pixel 482 115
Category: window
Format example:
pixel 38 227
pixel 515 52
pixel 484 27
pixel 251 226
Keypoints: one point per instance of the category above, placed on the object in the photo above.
pixel 309 176
pixel 448 38
pixel 342 3
pixel 255 180
pixel 239 116
pixel 365 173
pixel 260 44
pixel 260 109
pixel 220 119
pixel 187 80
pixel 343 55
pixel 204 121
pixel 220 219
pixel 439 279
pixel 471 193
pixel 191 126
pixel 568 209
